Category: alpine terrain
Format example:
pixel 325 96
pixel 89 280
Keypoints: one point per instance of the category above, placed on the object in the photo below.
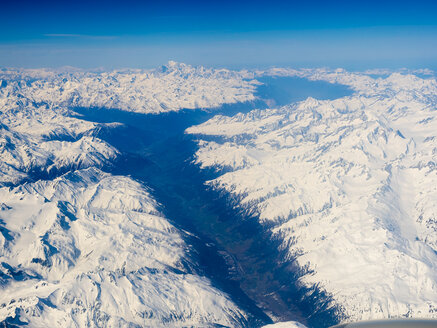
pixel 194 197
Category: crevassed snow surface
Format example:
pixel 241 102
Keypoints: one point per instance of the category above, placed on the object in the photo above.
pixel 82 247
pixel 349 186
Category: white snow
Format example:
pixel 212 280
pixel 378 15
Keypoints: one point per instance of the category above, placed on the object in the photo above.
pixel 86 248
pixel 93 250
pixel 28 143
pixel 287 324
pixel 37 134
pixel 170 88
pixel 348 185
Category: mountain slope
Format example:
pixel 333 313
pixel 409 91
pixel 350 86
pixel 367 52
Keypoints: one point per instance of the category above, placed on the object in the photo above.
pixel 90 249
pixel 348 186
pixel 80 247
pixel 170 88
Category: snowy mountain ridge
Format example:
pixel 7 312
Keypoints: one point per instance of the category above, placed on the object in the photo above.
pixel 39 135
pixel 348 186
pixel 39 140
pixel 79 247
pixel 89 248
pixel 172 87
pixel 364 83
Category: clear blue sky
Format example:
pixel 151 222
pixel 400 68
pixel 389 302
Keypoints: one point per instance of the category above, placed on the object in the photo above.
pixel 114 34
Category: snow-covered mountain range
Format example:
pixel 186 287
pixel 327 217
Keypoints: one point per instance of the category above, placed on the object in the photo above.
pixel 169 88
pixel 90 249
pixel 348 186
pixel 83 248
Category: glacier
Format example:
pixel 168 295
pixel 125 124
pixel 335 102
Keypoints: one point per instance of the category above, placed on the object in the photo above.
pixel 348 186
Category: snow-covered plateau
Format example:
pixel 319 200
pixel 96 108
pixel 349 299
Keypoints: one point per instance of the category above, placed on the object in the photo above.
pixel 349 187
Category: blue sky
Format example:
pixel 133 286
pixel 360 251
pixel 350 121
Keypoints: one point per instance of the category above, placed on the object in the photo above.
pixel 116 34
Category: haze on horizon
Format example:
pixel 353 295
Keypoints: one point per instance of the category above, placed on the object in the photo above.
pixel 111 34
